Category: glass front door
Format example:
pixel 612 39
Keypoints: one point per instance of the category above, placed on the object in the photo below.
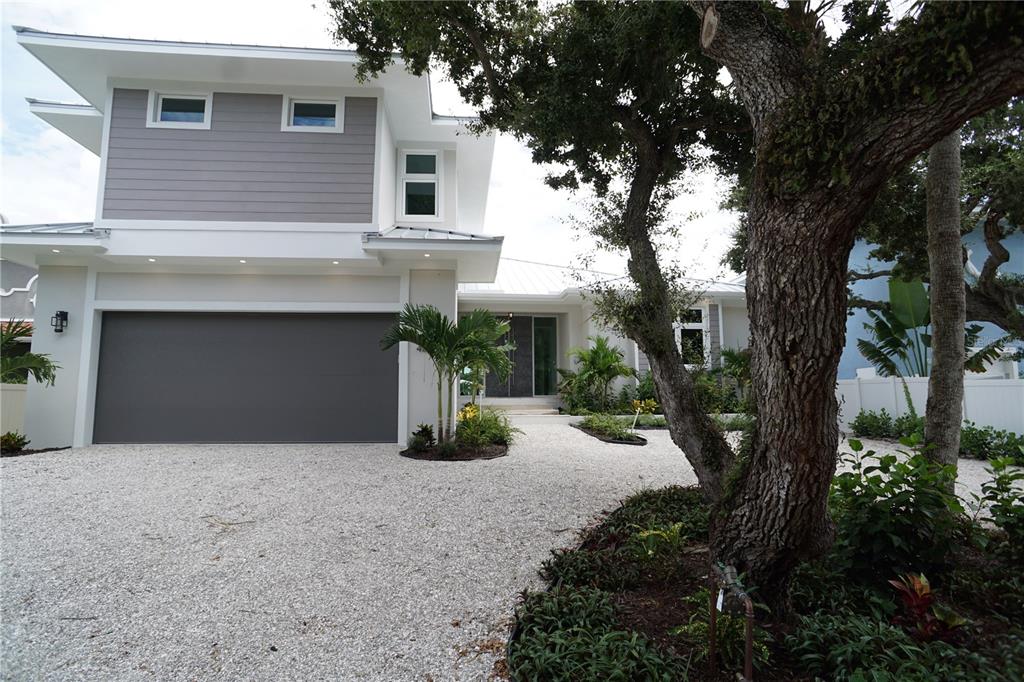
pixel 545 356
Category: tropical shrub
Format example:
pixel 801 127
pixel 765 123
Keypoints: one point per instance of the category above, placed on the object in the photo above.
pixel 842 645
pixel 894 516
pixel 1003 496
pixel 478 428
pixel 924 619
pixel 473 341
pixel 597 367
pixel 990 443
pixel 714 395
pixel 16 366
pixel 13 442
pixel 871 424
pixel 734 422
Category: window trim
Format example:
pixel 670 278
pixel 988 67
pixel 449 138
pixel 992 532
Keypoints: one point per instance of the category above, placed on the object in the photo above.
pixel 288 103
pixel 695 326
pixel 155 100
pixel 437 177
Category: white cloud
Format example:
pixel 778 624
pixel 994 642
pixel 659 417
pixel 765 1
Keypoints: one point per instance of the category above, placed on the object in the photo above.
pixel 46 177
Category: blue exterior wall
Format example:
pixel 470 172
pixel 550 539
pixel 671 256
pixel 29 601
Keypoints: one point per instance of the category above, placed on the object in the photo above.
pixel 878 289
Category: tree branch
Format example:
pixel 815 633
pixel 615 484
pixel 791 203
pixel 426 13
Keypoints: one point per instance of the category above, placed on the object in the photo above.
pixel 854 276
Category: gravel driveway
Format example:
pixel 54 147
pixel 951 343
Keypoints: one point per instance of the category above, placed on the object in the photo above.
pixel 290 562
pixel 294 561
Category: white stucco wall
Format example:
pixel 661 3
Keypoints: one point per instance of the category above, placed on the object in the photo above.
pixel 387 177
pixel 278 288
pixel 50 410
pixel 735 326
pixel 436 288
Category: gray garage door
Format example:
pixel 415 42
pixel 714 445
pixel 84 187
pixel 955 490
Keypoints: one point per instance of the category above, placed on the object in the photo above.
pixel 240 377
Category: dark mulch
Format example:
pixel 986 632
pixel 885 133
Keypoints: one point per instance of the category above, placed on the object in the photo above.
pixel 637 440
pixel 462 454
pixel 20 453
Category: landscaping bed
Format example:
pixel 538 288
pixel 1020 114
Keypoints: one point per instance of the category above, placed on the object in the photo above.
pixel 480 434
pixel 976 442
pixel 27 451
pixel 460 454
pixel 610 429
pixel 631 600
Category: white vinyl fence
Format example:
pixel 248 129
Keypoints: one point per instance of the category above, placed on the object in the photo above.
pixel 12 407
pixel 987 402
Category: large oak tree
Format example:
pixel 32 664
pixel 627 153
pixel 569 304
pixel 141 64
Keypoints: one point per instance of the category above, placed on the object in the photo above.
pixel 622 90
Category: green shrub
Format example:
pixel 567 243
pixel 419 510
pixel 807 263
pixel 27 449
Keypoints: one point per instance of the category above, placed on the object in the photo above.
pixel 713 394
pixel 645 388
pixel 417 443
pixel 871 424
pixel 13 442
pixel 846 646
pixel 608 426
pixel 990 443
pixel 425 432
pixel 908 426
pixel 490 427
pixel 1003 496
pixel 822 585
pixel 894 516
pixel 736 422
pixel 568 634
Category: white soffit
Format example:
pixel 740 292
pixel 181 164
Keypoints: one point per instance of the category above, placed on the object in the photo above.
pixel 81 122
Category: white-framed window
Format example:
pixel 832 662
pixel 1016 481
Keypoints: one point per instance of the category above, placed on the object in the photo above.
pixel 313 115
pixel 690 335
pixel 419 185
pixel 179 110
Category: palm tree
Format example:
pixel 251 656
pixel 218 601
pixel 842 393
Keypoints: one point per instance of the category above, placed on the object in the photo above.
pixel 14 367
pixel 473 341
pixel 600 365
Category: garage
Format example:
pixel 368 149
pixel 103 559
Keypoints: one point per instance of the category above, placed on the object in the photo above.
pixel 177 377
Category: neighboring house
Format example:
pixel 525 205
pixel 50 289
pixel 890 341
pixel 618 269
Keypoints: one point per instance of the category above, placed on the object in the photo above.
pixel 878 290
pixel 549 314
pixel 261 218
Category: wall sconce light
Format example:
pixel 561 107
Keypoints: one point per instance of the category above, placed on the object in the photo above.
pixel 59 321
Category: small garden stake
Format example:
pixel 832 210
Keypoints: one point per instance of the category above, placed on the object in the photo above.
pixel 723 578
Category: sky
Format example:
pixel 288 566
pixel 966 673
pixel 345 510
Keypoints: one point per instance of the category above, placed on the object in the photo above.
pixel 47 177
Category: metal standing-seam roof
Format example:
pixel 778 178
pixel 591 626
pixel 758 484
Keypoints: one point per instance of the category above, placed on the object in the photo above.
pixel 66 229
pixel 518 277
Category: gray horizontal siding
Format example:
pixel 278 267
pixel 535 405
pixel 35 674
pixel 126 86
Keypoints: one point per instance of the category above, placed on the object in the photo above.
pixel 244 168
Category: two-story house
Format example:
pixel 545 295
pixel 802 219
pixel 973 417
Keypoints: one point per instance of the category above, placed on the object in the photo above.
pixel 261 218
pixel 243 263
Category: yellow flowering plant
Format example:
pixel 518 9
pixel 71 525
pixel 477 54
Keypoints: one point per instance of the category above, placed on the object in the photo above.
pixel 643 407
pixel 469 411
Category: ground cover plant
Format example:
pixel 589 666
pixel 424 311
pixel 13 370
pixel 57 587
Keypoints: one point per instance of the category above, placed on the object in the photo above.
pixel 913 589
pixel 610 427
pixel 976 442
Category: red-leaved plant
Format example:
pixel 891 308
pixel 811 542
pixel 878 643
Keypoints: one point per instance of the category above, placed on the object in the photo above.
pixel 923 618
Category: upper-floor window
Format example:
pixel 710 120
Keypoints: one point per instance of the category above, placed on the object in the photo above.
pixel 419 187
pixel 177 110
pixel 313 115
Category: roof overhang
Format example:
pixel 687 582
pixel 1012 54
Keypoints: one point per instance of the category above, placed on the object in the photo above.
pixel 88 63
pixel 81 122
pixel 474 260
pixel 35 247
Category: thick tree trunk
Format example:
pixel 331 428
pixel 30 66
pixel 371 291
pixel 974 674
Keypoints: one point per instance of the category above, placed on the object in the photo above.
pixel 796 299
pixel 944 410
